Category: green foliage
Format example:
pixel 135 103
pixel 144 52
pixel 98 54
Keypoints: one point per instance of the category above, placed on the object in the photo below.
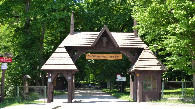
pixel 33 96
pixel 170 25
pixel 32 32
pixel 97 71
pixel 59 92
pixel 6 33
pixel 176 93
pixel 16 101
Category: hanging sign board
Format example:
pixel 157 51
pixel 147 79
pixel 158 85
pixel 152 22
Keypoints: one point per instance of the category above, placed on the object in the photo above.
pixel 49 79
pixel 121 79
pixel 4 66
pixel 118 76
pixel 104 56
pixel 69 77
pixel 4 59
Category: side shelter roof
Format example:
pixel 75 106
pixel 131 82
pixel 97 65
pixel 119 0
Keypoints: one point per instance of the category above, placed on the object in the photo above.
pixel 148 61
pixel 59 60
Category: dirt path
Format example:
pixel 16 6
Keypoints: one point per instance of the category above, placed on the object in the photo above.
pixel 96 99
pixel 89 96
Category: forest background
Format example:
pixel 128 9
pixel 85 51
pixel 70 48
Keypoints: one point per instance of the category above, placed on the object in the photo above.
pixel 32 29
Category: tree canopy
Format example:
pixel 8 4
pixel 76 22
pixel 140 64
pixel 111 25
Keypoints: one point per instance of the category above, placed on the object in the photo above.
pixel 170 25
pixel 32 29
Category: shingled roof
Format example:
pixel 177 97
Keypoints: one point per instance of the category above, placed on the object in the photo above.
pixel 147 61
pixel 59 60
pixel 89 39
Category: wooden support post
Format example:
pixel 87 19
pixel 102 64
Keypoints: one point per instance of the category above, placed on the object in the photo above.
pixel 131 87
pixel 2 85
pixel 49 85
pixel 70 88
pixel 73 87
pixel 24 88
pixel 52 92
pixel 69 77
pixel 139 87
pixel 53 78
pixel 159 85
pixel 135 88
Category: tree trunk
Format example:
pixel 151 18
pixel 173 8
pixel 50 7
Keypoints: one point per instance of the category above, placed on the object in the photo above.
pixel 41 55
pixel 194 83
pixel 27 7
pixel 193 67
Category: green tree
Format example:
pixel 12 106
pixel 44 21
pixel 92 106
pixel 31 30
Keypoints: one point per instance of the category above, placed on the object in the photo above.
pixel 101 70
pixel 32 29
pixel 169 24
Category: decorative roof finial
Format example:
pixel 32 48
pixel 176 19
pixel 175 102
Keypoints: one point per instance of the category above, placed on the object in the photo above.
pixel 72 24
pixel 135 30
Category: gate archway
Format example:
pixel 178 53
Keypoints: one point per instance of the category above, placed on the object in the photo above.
pixel 77 43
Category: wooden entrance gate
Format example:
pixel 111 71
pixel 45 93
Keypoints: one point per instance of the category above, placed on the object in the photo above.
pixel 77 43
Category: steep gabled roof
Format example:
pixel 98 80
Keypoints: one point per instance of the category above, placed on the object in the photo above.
pixel 59 60
pixel 147 61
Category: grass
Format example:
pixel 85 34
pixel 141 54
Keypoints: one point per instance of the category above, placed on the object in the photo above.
pixel 12 101
pixel 114 92
pixel 168 93
pixel 59 92
pixel 29 99
pixel 16 101
pixel 177 93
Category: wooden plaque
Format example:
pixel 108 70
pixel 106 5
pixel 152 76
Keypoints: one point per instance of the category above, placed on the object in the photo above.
pixel 104 56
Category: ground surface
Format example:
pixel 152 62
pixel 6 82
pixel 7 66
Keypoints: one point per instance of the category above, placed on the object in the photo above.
pixel 96 99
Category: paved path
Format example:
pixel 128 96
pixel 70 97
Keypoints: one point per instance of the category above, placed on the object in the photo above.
pixel 96 99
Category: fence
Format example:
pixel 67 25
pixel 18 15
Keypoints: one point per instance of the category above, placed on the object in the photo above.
pixel 28 93
pixel 177 89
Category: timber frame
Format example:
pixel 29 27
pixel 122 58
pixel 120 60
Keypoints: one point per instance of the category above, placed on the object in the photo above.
pixel 144 62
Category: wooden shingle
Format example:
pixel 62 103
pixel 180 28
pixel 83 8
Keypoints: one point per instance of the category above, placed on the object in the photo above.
pixel 89 39
pixel 147 61
pixel 59 60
